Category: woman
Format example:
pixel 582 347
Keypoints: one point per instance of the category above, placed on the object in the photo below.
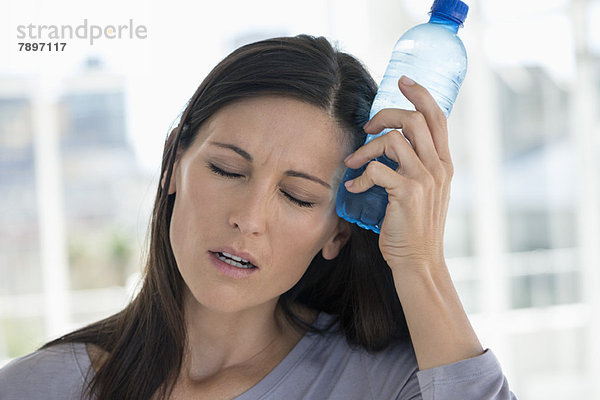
pixel 254 287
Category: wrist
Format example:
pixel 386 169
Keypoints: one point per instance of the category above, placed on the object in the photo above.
pixel 425 278
pixel 421 267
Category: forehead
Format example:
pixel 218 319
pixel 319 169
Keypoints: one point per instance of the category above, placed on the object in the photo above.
pixel 279 125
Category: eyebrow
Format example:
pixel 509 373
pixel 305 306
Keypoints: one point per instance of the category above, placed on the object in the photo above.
pixel 248 157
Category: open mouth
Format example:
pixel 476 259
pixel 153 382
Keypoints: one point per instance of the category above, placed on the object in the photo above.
pixel 234 261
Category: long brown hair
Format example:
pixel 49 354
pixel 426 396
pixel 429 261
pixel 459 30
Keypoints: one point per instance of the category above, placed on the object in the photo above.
pixel 145 341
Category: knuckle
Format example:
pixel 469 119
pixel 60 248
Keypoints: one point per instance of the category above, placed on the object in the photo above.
pixel 440 118
pixel 394 135
pixel 416 118
pixel 429 181
pixel 449 169
pixel 436 114
pixel 372 167
pixel 380 139
pixel 439 174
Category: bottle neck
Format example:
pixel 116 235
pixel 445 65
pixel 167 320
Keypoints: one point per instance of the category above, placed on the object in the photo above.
pixel 445 21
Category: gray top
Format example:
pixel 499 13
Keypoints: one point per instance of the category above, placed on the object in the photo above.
pixel 318 367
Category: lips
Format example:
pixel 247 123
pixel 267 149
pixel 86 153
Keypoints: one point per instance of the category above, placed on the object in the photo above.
pixel 230 268
pixel 234 260
pixel 236 255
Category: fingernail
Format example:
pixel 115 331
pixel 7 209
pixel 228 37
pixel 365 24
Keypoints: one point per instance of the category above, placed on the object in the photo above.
pixel 367 124
pixel 348 158
pixel 406 81
pixel 348 183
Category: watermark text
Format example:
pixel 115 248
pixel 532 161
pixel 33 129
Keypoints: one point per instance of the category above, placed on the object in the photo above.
pixel 90 32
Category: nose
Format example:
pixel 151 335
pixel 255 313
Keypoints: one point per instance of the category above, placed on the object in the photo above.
pixel 250 211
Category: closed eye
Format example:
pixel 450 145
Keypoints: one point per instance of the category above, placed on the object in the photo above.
pixel 231 175
pixel 219 171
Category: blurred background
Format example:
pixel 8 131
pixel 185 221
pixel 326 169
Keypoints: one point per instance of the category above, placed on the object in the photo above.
pixel 82 132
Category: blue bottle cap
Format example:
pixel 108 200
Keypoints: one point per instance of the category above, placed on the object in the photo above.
pixel 456 10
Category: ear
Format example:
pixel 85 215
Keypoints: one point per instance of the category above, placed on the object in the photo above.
pixel 173 182
pixel 339 238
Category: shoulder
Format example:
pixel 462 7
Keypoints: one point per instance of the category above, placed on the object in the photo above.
pixel 57 372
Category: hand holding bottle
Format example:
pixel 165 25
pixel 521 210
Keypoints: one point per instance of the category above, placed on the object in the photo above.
pixel 419 190
pixel 411 236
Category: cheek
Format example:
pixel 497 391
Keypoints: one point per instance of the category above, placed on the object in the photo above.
pixel 298 240
pixel 196 209
pixel 200 198
pixel 181 230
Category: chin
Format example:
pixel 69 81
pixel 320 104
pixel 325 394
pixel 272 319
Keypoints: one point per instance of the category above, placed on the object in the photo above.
pixel 226 300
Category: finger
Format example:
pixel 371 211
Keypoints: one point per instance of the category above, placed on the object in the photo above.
pixel 436 120
pixel 395 147
pixel 413 126
pixel 377 174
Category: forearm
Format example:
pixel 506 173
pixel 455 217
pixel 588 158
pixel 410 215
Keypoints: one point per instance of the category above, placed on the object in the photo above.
pixel 439 328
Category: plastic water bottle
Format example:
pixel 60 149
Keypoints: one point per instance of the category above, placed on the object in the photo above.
pixel 432 55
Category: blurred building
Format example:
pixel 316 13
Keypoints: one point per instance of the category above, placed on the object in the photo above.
pixel 545 264
pixel 18 219
pixel 102 189
pixel 539 188
pixel 103 184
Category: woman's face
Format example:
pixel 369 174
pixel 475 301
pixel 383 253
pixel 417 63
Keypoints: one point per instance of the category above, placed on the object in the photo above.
pixel 277 208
